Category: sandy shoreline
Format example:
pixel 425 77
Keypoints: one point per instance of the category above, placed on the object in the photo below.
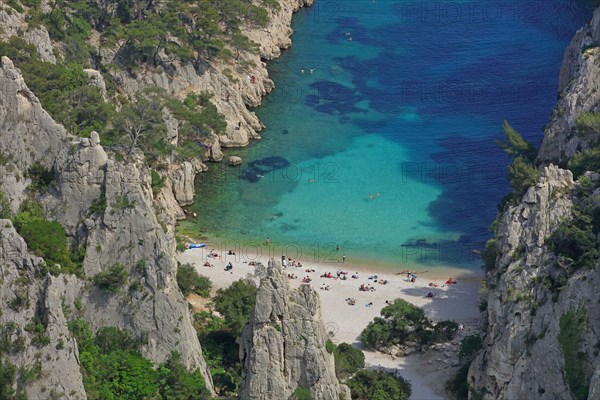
pixel 344 322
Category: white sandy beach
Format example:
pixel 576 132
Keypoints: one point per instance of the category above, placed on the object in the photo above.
pixel 427 373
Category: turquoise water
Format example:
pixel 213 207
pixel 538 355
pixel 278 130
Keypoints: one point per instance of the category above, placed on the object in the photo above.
pixel 380 133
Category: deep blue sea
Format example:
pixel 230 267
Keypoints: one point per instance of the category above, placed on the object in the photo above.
pixel 381 132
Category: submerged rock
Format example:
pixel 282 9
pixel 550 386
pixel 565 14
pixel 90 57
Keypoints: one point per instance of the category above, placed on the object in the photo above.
pixel 235 160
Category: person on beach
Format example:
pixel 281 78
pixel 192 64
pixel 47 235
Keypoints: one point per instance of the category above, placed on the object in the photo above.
pixel 267 241
pixel 343 258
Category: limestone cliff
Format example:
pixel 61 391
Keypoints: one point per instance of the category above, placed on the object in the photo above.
pixel 120 228
pixel 283 346
pixel 26 297
pixel 579 91
pixel 542 321
pixel 232 87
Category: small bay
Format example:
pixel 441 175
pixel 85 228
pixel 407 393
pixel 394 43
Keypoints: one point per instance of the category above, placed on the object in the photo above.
pixel 380 133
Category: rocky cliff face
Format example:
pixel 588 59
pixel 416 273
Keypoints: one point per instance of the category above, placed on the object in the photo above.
pixel 542 322
pixel 283 346
pixel 232 87
pixel 25 297
pixel 124 230
pixel 579 91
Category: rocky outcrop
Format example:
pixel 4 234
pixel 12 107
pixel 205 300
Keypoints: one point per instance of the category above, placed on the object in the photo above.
pixel 533 347
pixel 28 298
pixel 278 35
pixel 521 356
pixel 579 91
pixel 14 23
pixel 96 79
pixel 107 208
pixel 29 134
pixel 283 346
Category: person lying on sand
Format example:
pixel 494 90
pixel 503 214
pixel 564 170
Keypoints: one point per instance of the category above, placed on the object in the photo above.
pixel 433 284
pixel 351 301
pixel 389 302
pixel 451 281
pixel 306 279
pixel 207 264
pixel 430 295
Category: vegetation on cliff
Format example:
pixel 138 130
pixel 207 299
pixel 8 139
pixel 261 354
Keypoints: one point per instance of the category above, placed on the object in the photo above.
pixel 379 385
pixel 578 364
pixel 129 37
pixel 113 368
pixel 189 281
pixel 219 336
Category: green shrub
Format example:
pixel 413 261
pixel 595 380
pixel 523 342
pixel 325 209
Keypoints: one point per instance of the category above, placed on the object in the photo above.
pixel 586 160
pixel 588 121
pixel 110 338
pixel 112 368
pixel 40 177
pixel 46 239
pixel 177 383
pixel 7 378
pixel 189 281
pixel 578 368
pixel 348 360
pixel 158 182
pixel 30 374
pixel 302 394
pixel 62 87
pixel 469 347
pixel 575 241
pixel 221 352
pixel 111 280
pixel 444 331
pixel 330 346
pixel 235 303
pixel 4 207
pixel 522 175
pixel 458 386
pixel 378 385
pixel 489 255
pixel 122 202
pixel 99 205
pixel 38 331
pixel 399 322
pixel 515 146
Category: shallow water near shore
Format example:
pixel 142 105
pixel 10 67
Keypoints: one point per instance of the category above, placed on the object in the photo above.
pixel 380 132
